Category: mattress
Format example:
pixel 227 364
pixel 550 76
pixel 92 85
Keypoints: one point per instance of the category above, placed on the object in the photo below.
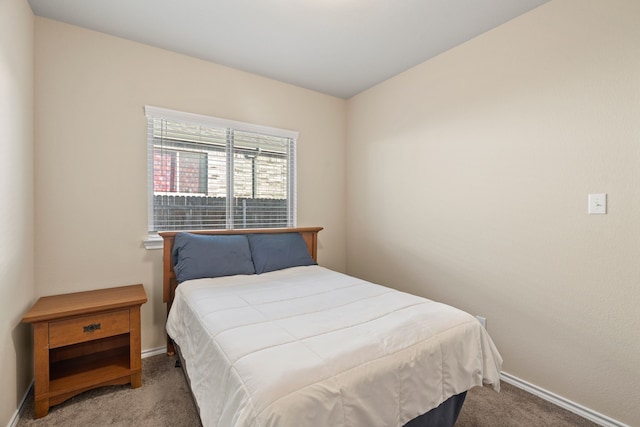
pixel 307 346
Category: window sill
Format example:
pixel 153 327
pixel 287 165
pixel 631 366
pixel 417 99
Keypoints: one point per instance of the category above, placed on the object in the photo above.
pixel 153 241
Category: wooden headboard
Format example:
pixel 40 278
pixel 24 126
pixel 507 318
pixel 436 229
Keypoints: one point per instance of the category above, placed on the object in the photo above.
pixel 169 282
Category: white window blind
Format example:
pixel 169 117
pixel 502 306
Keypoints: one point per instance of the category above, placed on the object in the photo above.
pixel 210 173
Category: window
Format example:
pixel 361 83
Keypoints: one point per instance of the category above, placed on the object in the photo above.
pixel 208 173
pixel 179 171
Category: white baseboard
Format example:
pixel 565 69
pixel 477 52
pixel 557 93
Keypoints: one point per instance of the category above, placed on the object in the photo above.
pixel 13 422
pixel 154 351
pixel 560 401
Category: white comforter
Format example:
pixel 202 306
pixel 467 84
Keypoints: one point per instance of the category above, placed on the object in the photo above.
pixel 307 346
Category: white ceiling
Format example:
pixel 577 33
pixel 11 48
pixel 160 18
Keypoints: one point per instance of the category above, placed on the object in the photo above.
pixel 338 47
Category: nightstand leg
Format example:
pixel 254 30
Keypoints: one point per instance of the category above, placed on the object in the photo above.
pixel 135 350
pixel 41 362
pixel 41 408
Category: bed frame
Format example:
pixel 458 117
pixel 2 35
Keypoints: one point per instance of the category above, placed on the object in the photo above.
pixel 444 415
pixel 169 282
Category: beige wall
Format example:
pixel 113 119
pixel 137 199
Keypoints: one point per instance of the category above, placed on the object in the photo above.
pixel 90 155
pixel 468 178
pixel 16 202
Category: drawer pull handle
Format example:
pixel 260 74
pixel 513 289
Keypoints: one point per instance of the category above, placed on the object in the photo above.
pixel 92 327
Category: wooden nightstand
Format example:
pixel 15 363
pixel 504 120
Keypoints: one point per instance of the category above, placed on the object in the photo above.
pixel 85 340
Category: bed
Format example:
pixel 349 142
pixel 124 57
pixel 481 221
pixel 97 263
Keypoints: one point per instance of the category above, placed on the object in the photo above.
pixel 269 338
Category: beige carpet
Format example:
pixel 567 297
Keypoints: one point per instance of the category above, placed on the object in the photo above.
pixel 165 400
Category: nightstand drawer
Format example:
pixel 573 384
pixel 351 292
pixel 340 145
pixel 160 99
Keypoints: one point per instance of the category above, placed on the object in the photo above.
pixel 88 328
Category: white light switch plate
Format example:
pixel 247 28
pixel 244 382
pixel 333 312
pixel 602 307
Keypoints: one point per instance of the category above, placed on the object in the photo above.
pixel 597 203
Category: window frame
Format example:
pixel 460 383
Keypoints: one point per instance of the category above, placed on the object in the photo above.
pixel 153 240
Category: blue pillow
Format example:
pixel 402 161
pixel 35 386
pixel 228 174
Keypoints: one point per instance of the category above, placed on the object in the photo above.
pixel 196 256
pixel 277 251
